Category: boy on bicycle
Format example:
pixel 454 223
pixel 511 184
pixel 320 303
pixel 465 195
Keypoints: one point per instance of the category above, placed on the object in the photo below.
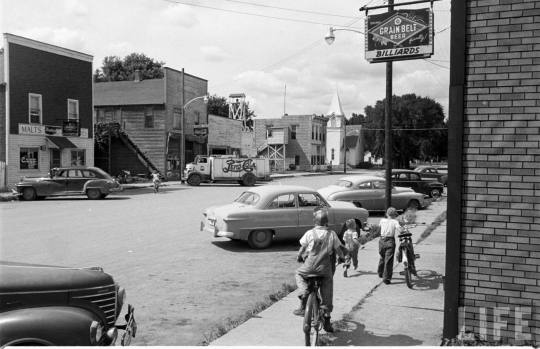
pixel 319 247
pixel 156 181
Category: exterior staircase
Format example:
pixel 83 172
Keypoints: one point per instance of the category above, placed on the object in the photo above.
pixel 124 137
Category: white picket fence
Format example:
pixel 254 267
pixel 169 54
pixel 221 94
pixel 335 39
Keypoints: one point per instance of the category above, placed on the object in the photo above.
pixel 2 174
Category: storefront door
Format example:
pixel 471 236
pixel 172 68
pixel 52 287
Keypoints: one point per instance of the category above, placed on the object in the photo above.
pixel 55 157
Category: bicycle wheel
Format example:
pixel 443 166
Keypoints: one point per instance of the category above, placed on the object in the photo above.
pixel 407 272
pixel 312 321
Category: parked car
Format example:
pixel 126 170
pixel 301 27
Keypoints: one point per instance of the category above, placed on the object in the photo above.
pixel 90 181
pixel 369 192
pixel 50 305
pixel 276 212
pixel 432 172
pixel 412 179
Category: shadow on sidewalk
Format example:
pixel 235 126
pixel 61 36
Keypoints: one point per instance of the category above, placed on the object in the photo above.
pixel 353 333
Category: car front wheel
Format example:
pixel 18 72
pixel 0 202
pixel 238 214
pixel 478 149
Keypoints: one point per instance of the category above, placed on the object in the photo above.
pixel 435 193
pixel 93 194
pixel 29 194
pixel 413 204
pixel 260 239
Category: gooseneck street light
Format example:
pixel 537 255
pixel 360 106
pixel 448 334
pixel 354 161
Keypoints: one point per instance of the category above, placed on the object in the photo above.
pixel 329 38
pixel 183 133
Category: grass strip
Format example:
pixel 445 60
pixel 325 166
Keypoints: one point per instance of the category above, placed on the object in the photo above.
pixel 230 323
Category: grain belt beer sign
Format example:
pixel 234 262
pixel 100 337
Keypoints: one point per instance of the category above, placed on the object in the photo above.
pixel 399 35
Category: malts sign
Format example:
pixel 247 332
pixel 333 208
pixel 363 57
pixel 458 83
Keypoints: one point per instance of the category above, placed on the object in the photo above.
pixel 399 35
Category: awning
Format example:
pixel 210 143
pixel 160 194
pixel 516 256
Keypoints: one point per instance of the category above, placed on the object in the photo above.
pixel 60 142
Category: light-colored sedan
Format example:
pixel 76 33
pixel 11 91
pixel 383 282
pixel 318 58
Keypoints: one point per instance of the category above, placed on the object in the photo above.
pixel 369 192
pixel 276 212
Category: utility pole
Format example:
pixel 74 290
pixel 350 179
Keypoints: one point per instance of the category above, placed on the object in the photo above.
pixel 388 127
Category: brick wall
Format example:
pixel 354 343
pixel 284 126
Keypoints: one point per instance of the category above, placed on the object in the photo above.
pixel 500 228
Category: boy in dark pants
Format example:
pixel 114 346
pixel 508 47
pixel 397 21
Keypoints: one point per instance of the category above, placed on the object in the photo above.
pixel 390 228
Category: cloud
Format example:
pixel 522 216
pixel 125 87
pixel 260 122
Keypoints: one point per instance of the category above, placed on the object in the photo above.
pixel 181 15
pixel 63 37
pixel 214 53
pixel 75 8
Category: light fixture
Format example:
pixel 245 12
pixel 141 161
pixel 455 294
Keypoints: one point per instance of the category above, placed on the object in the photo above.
pixel 330 37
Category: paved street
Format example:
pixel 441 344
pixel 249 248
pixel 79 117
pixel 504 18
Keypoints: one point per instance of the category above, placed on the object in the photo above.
pixel 181 281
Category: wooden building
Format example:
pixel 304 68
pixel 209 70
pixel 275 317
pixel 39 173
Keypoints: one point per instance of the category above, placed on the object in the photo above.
pixel 149 118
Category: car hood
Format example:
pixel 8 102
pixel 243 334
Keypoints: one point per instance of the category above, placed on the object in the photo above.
pixel 22 277
pixel 224 210
pixel 397 190
pixel 33 179
pixel 331 189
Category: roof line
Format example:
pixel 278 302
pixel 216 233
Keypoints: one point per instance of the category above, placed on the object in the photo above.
pixel 39 45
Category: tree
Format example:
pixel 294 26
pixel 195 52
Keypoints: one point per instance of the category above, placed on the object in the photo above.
pixel 116 69
pixel 218 105
pixel 419 130
pixel 356 119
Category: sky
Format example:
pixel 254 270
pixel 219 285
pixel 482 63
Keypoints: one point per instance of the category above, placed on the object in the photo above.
pixel 271 50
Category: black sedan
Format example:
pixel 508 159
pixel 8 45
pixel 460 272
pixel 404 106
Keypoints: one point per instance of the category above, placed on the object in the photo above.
pixel 90 181
pixel 412 179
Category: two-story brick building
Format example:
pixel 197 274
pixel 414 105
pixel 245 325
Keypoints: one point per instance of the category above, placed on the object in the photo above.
pixel 149 115
pixel 46 113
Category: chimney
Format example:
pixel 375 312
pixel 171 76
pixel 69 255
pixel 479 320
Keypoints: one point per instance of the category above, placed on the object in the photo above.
pixel 137 75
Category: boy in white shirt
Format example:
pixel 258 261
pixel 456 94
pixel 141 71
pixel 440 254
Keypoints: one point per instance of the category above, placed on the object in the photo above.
pixel 390 228
pixel 350 237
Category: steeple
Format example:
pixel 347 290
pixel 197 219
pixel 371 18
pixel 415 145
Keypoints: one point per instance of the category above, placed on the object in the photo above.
pixel 335 106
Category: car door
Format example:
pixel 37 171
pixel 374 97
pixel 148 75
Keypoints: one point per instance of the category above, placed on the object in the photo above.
pixel 75 181
pixel 419 185
pixel 307 204
pixel 57 184
pixel 281 215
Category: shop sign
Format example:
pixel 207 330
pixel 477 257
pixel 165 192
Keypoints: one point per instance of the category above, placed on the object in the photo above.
pixel 53 130
pixel 399 35
pixel 30 129
pixel 70 128
pixel 200 130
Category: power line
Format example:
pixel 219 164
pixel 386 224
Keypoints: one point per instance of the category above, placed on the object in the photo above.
pixel 251 14
pixel 289 9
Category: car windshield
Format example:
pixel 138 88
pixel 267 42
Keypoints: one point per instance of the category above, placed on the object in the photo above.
pixel 248 198
pixel 343 183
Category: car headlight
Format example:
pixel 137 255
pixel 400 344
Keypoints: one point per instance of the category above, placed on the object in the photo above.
pixel 96 331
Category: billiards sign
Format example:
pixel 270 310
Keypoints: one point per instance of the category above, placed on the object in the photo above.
pixel 399 35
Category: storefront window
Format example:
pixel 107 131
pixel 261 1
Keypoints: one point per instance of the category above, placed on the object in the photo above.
pixel 78 157
pixel 29 158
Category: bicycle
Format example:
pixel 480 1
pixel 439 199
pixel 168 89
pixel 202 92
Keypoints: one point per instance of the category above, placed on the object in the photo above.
pixel 313 316
pixel 406 254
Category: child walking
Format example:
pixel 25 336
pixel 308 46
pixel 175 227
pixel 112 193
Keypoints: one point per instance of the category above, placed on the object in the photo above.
pixel 350 237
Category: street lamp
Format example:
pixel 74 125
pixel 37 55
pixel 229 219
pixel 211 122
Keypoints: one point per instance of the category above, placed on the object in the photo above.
pixel 329 38
pixel 183 133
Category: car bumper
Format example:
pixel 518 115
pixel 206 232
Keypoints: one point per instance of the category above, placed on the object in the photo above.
pixel 112 190
pixel 216 232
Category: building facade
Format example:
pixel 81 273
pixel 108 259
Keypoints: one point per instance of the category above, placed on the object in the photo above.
pixel 153 115
pixel 492 282
pixel 46 112
pixel 292 141
pixel 227 136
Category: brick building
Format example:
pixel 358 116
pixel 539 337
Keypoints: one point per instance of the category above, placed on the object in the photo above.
pixel 46 108
pixel 149 115
pixel 492 285
pixel 298 140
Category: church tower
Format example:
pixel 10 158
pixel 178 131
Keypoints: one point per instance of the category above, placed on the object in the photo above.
pixel 335 132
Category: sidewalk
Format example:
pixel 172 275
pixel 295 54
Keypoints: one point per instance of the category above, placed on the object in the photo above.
pixel 366 311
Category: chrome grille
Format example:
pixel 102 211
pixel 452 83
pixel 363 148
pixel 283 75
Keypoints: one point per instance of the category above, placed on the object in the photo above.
pixel 102 297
